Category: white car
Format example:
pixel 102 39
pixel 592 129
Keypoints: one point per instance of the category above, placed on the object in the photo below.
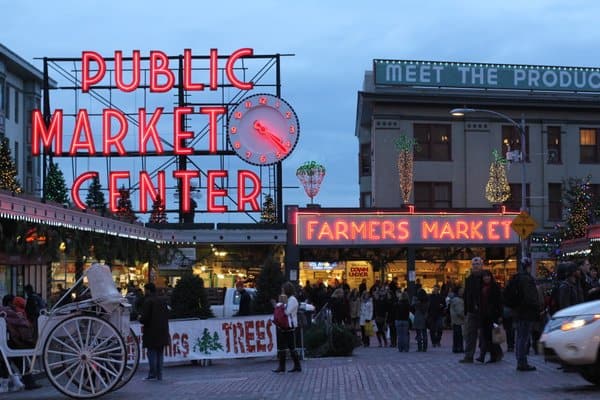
pixel 572 338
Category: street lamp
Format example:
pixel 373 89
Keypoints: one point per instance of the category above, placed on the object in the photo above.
pixel 460 112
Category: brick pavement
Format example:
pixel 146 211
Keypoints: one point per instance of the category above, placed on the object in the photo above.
pixel 370 373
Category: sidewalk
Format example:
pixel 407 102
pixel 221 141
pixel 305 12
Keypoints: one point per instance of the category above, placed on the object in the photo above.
pixel 369 374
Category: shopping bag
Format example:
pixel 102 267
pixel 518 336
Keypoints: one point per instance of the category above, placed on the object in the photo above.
pixel 498 335
pixel 369 328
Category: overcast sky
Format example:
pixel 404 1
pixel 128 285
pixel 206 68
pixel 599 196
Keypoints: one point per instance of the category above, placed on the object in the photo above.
pixel 334 44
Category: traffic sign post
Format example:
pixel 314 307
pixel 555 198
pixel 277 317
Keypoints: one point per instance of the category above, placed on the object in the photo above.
pixel 524 225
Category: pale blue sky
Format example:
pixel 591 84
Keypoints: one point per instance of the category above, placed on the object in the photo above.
pixel 334 44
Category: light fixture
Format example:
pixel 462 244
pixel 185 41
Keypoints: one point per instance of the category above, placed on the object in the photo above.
pixel 459 112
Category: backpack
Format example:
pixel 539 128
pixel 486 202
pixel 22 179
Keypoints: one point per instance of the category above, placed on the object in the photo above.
pixel 511 295
pixel 280 318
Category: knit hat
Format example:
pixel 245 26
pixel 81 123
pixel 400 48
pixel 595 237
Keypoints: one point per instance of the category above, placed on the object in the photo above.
pixel 19 304
pixel 477 261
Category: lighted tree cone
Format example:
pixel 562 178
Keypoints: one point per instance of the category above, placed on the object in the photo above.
pixel 311 176
pixel 406 146
pixel 405 172
pixel 497 189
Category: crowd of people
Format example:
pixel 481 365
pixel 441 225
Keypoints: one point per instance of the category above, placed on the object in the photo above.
pixel 475 311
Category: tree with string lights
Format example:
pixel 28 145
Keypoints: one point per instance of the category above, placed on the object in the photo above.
pixel 406 147
pixel 124 209
pixel 158 215
pixel 95 197
pixel 497 189
pixel 268 215
pixel 8 170
pixel 581 208
pixel 55 187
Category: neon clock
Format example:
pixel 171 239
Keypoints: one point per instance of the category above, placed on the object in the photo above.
pixel 263 129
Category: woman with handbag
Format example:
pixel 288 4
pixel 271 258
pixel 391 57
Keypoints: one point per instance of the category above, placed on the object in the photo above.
pixel 490 308
pixel 366 318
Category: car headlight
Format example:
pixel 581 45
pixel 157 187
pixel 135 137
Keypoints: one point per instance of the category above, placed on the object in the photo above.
pixel 578 322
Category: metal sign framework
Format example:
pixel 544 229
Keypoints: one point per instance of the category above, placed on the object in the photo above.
pixel 263 70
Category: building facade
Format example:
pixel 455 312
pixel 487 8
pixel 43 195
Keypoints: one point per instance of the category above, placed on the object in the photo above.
pixel 20 93
pixel 452 155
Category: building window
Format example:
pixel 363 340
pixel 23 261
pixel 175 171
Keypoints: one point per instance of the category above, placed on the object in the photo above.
pixel 595 192
pixel 2 86
pixel 433 194
pixel 16 156
pixel 16 106
pixel 555 201
pixel 434 142
pixel 589 152
pixel 365 159
pixel 554 145
pixel 514 201
pixel 7 102
pixel 366 200
pixel 511 140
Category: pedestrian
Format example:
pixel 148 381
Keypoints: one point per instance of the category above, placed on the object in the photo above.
pixel 525 313
pixel 435 316
pixel 245 299
pixel 457 319
pixel 286 338
pixel 155 318
pixel 569 290
pixel 421 307
pixel 380 311
pixel 589 285
pixel 366 317
pixel 401 313
pixel 472 296
pixel 490 315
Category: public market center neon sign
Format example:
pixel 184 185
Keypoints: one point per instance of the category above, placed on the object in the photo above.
pixel 115 127
pixel 348 228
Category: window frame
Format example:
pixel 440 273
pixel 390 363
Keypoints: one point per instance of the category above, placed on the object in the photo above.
pixel 595 159
pixel 426 150
pixel 554 133
pixel 515 189
pixel 432 202
pixel 511 137
pixel 365 159
pixel 555 206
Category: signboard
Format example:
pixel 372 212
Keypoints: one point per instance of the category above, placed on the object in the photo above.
pixel 490 76
pixel 378 228
pixel 196 339
pixel 524 225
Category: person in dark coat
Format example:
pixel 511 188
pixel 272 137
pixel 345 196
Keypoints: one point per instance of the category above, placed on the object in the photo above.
pixel 437 307
pixel 155 318
pixel 244 299
pixel 490 312
pixel 472 296
pixel 525 314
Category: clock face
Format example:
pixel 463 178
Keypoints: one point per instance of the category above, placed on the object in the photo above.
pixel 263 129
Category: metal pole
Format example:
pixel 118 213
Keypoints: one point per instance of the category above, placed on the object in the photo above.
pixel 523 182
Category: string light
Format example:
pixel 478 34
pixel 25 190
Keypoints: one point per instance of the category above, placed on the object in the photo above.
pixel 497 189
pixel 406 146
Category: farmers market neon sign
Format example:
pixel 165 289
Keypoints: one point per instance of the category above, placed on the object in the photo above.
pixel 313 228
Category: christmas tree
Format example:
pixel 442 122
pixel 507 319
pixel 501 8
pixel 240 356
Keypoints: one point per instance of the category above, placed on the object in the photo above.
pixel 580 206
pixel 124 210
pixel 268 214
pixel 497 189
pixel 8 170
pixel 268 286
pixel 189 298
pixel 95 196
pixel 55 188
pixel 158 216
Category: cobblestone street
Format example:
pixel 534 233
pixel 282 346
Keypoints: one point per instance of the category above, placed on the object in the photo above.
pixel 370 373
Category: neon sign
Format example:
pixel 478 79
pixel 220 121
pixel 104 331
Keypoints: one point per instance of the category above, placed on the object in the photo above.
pixel 342 228
pixel 48 137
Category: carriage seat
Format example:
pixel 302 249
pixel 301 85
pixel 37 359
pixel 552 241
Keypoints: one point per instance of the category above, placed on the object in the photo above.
pixel 8 351
pixel 102 286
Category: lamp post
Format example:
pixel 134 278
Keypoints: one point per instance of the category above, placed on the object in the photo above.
pixel 459 112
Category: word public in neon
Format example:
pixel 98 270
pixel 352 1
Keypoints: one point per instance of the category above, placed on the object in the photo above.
pixel 48 137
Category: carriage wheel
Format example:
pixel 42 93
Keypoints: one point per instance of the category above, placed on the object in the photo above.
pixel 84 356
pixel 133 358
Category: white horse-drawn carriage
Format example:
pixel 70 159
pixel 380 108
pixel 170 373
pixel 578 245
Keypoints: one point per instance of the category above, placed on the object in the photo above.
pixel 86 348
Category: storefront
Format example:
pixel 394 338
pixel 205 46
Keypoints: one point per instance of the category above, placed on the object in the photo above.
pixel 415 247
